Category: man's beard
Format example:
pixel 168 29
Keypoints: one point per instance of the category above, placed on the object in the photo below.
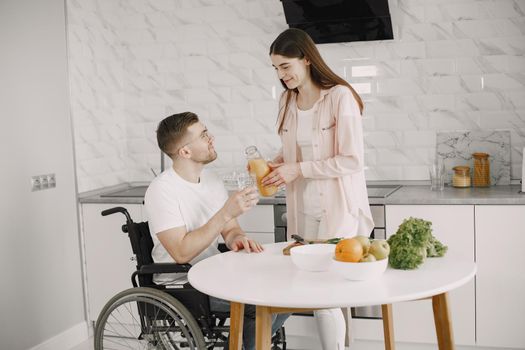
pixel 211 157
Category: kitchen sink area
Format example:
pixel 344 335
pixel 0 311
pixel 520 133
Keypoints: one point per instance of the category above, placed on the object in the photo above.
pixel 134 191
pixel 381 191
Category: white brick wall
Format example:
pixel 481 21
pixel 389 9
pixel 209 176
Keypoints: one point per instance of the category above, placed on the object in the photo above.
pixel 453 65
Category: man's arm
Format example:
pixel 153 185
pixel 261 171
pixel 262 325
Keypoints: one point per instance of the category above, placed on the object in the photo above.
pixel 236 239
pixel 183 246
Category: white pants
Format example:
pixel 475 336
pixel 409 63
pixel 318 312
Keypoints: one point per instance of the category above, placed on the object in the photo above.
pixel 332 328
pixel 330 322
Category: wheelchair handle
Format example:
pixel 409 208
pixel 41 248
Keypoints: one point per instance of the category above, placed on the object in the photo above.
pixel 117 210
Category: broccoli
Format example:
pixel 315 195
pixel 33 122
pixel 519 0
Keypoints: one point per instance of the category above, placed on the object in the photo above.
pixel 406 257
pixel 435 248
pixel 412 243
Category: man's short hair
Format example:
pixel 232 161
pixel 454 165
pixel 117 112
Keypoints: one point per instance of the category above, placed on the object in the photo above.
pixel 172 129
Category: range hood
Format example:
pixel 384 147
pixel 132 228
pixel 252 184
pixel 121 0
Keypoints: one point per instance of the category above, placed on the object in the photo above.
pixel 332 21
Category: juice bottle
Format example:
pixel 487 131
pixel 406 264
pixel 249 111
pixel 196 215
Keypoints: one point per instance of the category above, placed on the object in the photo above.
pixel 260 168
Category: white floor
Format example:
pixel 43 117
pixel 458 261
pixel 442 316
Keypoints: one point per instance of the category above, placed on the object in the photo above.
pixel 357 345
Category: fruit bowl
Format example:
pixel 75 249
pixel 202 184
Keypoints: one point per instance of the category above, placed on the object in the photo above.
pixel 313 257
pixel 360 271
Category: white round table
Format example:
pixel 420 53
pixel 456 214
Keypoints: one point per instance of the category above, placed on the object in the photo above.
pixel 274 284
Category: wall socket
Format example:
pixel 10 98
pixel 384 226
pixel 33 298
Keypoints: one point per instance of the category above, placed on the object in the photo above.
pixel 43 182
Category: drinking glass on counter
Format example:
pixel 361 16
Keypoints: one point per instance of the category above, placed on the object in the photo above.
pixel 437 175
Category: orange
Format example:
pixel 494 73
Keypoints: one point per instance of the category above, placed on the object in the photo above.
pixel 348 250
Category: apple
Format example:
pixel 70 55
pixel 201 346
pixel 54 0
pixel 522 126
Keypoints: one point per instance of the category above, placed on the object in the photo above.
pixel 379 248
pixel 368 258
pixel 365 243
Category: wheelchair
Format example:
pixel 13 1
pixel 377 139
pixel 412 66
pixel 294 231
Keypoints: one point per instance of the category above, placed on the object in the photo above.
pixel 150 316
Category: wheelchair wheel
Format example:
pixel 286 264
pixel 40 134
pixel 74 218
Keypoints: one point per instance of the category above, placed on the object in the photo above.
pixel 146 318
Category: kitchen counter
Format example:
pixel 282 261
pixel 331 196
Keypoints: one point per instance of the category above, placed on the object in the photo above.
pixel 98 195
pixel 101 195
pixel 407 194
pixel 496 195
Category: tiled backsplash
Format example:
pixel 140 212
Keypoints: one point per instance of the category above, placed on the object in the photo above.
pixel 453 66
pixel 456 148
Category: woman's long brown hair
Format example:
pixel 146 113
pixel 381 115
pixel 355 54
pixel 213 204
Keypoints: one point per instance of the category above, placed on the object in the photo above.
pixel 295 43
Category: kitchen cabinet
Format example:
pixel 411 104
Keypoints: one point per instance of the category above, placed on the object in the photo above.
pixel 500 282
pixel 453 225
pixel 107 253
pixel 258 223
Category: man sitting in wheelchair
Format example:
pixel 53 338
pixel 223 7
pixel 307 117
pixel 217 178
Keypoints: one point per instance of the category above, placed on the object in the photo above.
pixel 188 208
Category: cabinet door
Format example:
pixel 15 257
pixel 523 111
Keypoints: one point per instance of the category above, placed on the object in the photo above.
pixel 258 223
pixel 107 254
pixel 453 225
pixel 500 281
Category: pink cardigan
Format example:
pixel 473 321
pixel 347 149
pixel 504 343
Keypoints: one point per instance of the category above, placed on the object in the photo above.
pixel 338 152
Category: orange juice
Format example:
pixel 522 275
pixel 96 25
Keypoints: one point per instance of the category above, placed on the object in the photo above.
pixel 260 168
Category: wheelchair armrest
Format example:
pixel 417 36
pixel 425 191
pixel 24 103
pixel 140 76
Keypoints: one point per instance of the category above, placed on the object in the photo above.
pixel 223 248
pixel 163 268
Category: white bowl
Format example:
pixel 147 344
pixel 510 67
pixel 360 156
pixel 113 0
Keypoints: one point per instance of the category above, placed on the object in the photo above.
pixel 313 257
pixel 360 271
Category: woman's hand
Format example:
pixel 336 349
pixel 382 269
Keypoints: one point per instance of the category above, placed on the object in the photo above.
pixel 282 173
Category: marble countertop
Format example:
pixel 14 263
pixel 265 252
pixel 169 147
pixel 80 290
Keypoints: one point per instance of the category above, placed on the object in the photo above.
pixel 407 194
pixel 100 195
pixel 503 194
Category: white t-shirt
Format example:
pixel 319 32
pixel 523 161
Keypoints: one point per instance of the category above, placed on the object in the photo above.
pixel 171 201
pixel 311 205
pixel 304 133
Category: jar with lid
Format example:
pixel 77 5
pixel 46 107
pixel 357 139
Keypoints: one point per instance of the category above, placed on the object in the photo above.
pixel 259 167
pixel 481 175
pixel 461 177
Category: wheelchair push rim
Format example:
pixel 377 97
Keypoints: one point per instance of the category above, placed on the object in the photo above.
pixel 145 318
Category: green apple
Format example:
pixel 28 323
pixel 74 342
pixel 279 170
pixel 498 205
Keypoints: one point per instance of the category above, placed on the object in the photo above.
pixel 368 258
pixel 379 248
pixel 365 243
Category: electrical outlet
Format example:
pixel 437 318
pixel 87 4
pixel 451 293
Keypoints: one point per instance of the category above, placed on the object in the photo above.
pixel 42 182
pixel 51 180
pixel 35 183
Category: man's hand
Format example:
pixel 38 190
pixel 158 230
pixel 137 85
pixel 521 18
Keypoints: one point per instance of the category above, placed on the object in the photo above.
pixel 240 202
pixel 282 173
pixel 240 242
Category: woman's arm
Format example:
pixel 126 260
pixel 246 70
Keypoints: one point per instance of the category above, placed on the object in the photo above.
pixel 278 158
pixel 346 161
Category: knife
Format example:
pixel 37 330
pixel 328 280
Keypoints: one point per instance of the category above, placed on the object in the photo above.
pixel 299 239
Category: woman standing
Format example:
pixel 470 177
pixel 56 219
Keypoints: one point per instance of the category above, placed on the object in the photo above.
pixel 321 160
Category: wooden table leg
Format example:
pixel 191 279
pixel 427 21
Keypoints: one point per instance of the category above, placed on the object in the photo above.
pixel 236 324
pixel 263 328
pixel 443 322
pixel 388 326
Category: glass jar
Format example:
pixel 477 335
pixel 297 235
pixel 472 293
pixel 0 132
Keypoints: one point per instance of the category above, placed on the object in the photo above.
pixel 461 177
pixel 260 168
pixel 481 175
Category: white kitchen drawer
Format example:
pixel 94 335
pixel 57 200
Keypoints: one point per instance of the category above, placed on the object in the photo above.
pixel 258 219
